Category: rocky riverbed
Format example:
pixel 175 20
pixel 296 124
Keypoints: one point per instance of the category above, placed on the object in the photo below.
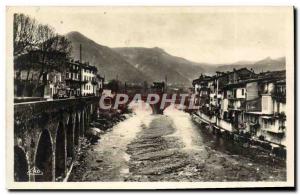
pixel 170 147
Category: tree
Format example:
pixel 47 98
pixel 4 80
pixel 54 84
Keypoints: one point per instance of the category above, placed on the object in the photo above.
pixel 52 47
pixel 24 30
pixel 29 35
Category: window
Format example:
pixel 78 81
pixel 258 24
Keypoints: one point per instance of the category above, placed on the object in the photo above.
pixel 243 91
pixel 266 123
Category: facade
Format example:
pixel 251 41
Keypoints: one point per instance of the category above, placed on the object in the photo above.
pixel 52 75
pixel 244 102
pixel 73 78
pixel 80 79
pixel 89 83
pixel 100 84
pixel 38 73
pixel 202 92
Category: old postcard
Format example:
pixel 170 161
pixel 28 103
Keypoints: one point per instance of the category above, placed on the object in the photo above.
pixel 150 97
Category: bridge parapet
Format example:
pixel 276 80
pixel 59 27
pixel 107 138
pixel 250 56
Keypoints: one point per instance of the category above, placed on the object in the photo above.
pixel 46 136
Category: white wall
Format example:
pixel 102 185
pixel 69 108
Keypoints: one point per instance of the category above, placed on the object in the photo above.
pixel 239 93
pixel 267 104
pixel 196 88
pixel 252 90
pixel 87 88
pixel 224 105
pixel 224 125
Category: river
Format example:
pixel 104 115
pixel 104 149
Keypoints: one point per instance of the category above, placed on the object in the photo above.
pixel 171 147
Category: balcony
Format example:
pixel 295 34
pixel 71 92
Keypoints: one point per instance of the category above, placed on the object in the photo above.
pixel 279 96
pixel 237 105
pixel 253 105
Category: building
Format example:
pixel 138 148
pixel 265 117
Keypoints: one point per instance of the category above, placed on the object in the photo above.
pixel 245 102
pixel 202 92
pixel 234 96
pixel 38 73
pixel 89 83
pixel 73 78
pixel 52 75
pixel 271 107
pixel 100 84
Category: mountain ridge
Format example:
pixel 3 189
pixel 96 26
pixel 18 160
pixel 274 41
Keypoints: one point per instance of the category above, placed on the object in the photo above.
pixel 138 64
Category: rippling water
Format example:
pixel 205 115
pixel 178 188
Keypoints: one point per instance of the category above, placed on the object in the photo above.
pixel 195 150
pixel 185 129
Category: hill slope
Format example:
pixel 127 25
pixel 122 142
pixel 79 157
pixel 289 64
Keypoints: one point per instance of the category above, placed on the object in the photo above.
pixel 138 64
pixel 156 63
pixel 266 64
pixel 109 63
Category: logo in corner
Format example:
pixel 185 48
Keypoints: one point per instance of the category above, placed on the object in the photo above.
pixel 34 171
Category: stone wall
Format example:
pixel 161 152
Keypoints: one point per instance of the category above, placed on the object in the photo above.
pixel 46 136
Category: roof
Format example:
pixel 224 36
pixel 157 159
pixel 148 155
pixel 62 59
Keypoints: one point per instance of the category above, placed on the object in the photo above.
pixel 270 76
pixel 202 78
pixel 277 74
pixel 85 65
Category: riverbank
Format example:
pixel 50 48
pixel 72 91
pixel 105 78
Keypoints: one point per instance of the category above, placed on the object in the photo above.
pixel 249 143
pixel 88 158
pixel 171 147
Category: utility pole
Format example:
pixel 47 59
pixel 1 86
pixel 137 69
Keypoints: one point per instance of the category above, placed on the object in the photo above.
pixel 80 57
pixel 166 81
pixel 80 69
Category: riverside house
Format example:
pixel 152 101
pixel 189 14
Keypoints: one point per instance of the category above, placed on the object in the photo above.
pixel 244 102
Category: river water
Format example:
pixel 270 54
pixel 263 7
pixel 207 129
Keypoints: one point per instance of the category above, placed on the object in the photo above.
pixel 171 147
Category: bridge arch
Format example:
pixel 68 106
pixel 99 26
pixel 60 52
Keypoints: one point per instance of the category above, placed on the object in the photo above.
pixel 20 165
pixel 38 132
pixel 77 129
pixel 86 120
pixel 44 157
pixel 70 138
pixel 82 123
pixel 60 151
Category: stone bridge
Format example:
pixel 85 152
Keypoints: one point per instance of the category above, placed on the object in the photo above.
pixel 159 107
pixel 47 137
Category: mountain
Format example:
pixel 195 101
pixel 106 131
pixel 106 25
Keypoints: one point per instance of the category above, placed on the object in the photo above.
pixel 158 64
pixel 109 63
pixel 267 64
pixel 138 64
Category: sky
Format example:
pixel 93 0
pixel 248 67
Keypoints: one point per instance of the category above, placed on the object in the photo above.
pixel 201 34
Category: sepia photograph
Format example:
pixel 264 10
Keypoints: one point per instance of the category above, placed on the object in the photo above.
pixel 149 97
